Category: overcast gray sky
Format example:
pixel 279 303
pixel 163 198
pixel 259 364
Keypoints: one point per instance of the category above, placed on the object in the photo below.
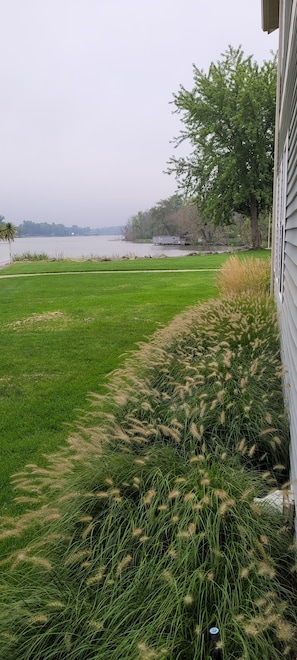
pixel 86 85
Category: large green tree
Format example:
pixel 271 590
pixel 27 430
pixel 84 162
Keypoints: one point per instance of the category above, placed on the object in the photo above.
pixel 228 120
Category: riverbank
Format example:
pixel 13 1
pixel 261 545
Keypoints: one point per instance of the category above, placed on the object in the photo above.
pixel 103 247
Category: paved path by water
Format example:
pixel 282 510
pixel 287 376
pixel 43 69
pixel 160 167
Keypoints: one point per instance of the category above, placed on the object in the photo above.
pixel 113 272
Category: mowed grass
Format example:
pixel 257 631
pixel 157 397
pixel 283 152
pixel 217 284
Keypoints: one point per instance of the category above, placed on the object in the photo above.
pixel 192 262
pixel 60 337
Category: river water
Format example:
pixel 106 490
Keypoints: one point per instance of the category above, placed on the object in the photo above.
pixel 71 247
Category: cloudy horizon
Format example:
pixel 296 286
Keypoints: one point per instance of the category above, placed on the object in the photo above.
pixel 87 85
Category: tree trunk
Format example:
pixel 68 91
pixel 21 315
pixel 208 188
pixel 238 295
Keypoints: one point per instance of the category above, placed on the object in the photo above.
pixel 255 231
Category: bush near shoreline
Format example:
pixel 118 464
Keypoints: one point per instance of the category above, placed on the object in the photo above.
pixel 144 531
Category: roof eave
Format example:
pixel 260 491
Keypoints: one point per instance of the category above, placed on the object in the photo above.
pixel 270 15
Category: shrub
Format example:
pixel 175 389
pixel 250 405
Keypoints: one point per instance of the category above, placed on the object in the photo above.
pixel 213 376
pixel 31 256
pixel 246 275
pixel 144 556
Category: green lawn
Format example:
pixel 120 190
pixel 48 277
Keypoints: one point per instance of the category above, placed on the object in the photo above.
pixel 167 263
pixel 62 335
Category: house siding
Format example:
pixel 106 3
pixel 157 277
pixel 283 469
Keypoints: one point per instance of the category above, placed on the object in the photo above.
pixel 287 55
pixel 285 214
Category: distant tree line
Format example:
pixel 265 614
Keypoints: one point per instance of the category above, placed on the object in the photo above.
pixel 168 217
pixel 175 217
pixel 29 228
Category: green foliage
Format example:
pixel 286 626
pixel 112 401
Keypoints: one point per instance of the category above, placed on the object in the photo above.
pixel 177 217
pixel 144 531
pixel 228 118
pixel 216 375
pixel 141 558
pixel 7 231
pixel 160 219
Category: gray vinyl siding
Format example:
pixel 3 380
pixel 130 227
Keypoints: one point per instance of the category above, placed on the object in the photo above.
pixel 286 294
pixel 287 23
pixel 288 80
pixel 289 343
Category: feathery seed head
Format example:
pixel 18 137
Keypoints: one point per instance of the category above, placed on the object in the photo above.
pixel 123 564
pixel 266 570
pixel 96 625
pixel 168 577
pixel 38 619
pixel 173 494
pixel 56 604
pixel 285 631
pixel 97 577
pixel 221 494
pixel 251 629
pixel 189 496
pixel 149 496
pixel 76 557
pixel 137 531
pixel 188 599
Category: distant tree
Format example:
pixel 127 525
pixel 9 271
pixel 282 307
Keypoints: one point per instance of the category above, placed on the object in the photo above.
pixel 7 233
pixel 164 216
pixel 139 226
pixel 228 120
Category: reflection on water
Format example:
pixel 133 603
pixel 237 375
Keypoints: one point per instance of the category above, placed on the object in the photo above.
pixel 96 246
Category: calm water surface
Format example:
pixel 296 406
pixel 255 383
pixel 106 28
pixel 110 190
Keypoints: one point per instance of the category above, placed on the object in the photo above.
pixel 92 246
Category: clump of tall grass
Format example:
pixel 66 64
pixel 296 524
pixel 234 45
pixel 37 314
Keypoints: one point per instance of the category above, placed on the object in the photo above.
pixel 213 376
pixel 143 556
pixel 244 275
pixel 144 531
pixel 31 256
